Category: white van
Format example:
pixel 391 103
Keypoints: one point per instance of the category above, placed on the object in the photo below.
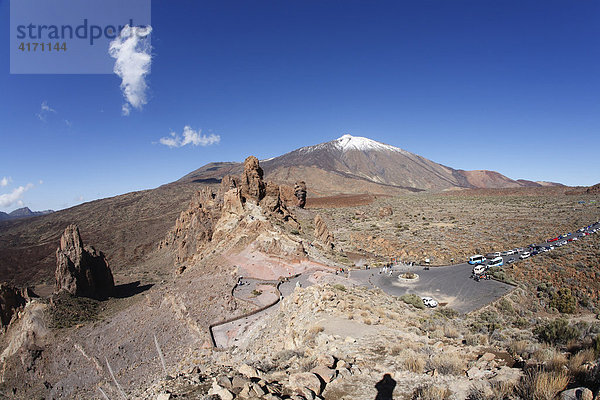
pixel 479 269
pixel 477 259
pixel 496 262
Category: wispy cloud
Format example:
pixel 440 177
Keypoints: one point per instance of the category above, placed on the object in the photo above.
pixel 131 51
pixel 5 181
pixel 68 123
pixel 189 136
pixel 45 110
pixel 8 199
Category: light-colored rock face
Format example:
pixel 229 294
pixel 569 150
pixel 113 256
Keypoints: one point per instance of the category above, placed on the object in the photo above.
pixel 81 271
pixel 322 233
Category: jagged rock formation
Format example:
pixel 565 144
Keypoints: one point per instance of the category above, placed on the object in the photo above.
pixel 253 186
pixel 321 233
pixel 300 193
pixel 12 300
pixel 82 271
pixel 245 204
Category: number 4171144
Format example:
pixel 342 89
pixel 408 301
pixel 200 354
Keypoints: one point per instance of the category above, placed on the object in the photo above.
pixel 43 46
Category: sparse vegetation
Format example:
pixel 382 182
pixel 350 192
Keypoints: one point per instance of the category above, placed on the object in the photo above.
pixel 67 310
pixel 413 300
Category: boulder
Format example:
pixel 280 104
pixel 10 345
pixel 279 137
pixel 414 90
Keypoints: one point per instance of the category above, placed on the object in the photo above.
pixel 82 271
pixel 306 380
pixel 300 193
pixel 248 371
pixel 326 374
pixel 580 393
pixel 253 187
pixel 326 360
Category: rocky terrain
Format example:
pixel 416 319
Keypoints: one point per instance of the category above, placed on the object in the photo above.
pixel 147 331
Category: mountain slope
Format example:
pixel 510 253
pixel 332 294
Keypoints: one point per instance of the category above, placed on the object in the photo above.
pixel 352 164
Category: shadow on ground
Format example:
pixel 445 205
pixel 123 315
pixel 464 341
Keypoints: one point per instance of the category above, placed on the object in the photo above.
pixel 385 388
pixel 130 289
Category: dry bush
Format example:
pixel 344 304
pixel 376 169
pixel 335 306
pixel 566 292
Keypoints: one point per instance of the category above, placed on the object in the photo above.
pixel 548 355
pixel 431 392
pixel 538 384
pixel 414 362
pixel 451 332
pixel 578 360
pixel 502 389
pixel 557 362
pixel 448 364
pixel 520 347
pixel 471 340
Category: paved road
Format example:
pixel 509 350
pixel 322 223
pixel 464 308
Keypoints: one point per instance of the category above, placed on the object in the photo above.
pixel 450 285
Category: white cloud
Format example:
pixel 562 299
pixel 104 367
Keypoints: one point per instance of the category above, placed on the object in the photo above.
pixel 131 51
pixel 45 109
pixel 5 181
pixel 68 123
pixel 190 136
pixel 8 199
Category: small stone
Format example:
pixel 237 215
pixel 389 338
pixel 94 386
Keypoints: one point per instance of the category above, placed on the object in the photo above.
pixel 326 360
pixel 163 396
pixel 248 371
pixel 306 380
pixel 487 357
pixel 326 374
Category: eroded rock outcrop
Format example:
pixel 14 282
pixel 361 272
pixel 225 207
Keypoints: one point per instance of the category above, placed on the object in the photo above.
pixel 322 233
pixel 12 300
pixel 82 270
pixel 252 184
pixel 216 216
pixel 300 193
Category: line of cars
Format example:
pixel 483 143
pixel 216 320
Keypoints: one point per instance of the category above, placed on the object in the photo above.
pixel 481 264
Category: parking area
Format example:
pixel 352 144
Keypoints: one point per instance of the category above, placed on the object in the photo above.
pixel 450 285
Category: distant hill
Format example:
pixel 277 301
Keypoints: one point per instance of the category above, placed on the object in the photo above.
pixel 25 212
pixel 353 164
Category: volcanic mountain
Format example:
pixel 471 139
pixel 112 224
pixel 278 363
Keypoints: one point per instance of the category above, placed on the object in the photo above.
pixel 353 164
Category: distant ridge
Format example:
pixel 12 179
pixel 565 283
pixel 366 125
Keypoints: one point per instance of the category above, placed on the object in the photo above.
pixel 23 212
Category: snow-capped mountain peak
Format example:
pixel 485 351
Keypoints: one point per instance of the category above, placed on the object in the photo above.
pixel 349 142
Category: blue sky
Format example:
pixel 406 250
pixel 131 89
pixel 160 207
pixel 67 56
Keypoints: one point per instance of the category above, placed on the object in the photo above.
pixel 509 86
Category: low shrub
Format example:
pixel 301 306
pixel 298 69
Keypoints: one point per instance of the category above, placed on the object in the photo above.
pixel 556 332
pixel 448 364
pixel 564 301
pixel 431 392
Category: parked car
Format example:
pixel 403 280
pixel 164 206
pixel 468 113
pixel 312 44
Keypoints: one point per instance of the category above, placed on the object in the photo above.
pixel 525 255
pixel 493 255
pixel 510 260
pixel 429 302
